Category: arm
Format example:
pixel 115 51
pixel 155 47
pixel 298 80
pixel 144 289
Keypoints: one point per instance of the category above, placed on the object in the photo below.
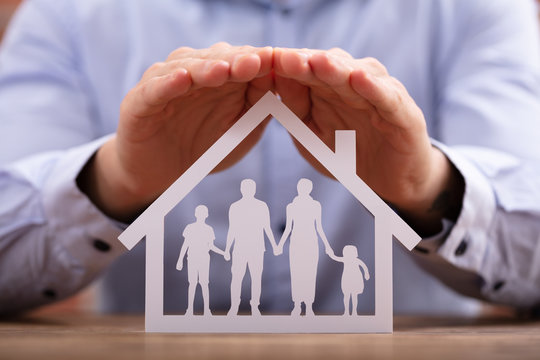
pixel 230 234
pixel 336 258
pixel 490 250
pixel 183 250
pixel 217 250
pixel 268 230
pixel 487 83
pixel 53 240
pixel 320 231
pixel 214 248
pixel 364 267
pixel 287 231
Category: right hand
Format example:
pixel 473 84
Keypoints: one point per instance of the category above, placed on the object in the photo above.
pixel 170 118
pixel 179 266
pixel 227 256
pixel 330 252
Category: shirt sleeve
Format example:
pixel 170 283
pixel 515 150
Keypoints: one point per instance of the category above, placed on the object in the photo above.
pixel 489 100
pixel 53 240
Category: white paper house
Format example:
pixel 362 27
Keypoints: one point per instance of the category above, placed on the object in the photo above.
pixel 341 164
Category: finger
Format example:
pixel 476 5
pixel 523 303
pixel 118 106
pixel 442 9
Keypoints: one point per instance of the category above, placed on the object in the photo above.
pixel 153 95
pixel 376 90
pixel 295 95
pixel 332 72
pixel 325 73
pixel 392 101
pixel 294 64
pixel 246 62
pixel 341 53
pixel 258 87
pixel 204 73
pixel 180 52
pixel 335 69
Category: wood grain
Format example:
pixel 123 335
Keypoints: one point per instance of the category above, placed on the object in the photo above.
pixel 90 336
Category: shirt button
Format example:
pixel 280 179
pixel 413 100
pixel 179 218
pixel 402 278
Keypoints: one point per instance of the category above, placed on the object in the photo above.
pixel 498 285
pixel 101 245
pixel 461 248
pixel 49 293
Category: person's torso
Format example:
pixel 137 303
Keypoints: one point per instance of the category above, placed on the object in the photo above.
pixel 118 40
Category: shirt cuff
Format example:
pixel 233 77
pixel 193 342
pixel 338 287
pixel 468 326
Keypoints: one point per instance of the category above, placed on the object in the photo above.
pixel 466 242
pixel 89 238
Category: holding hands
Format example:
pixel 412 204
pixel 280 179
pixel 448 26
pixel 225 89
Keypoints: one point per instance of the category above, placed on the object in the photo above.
pixel 184 104
pixel 329 252
pixel 278 249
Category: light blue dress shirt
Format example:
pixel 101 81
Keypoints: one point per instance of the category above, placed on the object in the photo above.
pixel 471 66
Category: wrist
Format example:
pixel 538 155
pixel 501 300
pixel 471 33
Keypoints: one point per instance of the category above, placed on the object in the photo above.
pixel 105 185
pixel 439 197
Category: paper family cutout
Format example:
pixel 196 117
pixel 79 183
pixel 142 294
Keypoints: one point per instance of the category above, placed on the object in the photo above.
pixel 341 163
pixel 249 223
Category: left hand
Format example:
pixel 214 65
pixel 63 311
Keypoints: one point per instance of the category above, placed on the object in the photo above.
pixel 330 90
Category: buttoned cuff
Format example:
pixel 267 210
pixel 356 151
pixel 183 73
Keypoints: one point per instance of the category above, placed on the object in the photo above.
pixel 466 242
pixel 88 241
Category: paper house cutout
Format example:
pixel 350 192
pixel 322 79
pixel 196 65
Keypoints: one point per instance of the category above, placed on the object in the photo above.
pixel 341 164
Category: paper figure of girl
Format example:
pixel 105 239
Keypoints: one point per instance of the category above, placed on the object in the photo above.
pixel 352 280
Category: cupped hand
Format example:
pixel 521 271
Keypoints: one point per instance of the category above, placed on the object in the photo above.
pixel 171 117
pixel 331 90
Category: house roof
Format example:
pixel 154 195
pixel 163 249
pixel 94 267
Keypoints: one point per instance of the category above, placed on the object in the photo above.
pixel 341 164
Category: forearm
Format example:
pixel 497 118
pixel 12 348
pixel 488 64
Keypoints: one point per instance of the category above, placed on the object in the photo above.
pixel 53 241
pixel 492 249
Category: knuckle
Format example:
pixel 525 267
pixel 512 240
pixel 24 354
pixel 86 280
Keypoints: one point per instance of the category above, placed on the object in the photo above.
pixel 221 44
pixel 181 51
pixel 340 51
pixel 154 68
pixel 144 89
pixel 375 64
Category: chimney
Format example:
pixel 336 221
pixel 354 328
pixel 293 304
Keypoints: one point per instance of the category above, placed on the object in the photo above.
pixel 346 150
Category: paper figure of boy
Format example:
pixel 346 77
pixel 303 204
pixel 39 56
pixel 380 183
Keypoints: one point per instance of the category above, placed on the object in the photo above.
pixel 352 280
pixel 198 241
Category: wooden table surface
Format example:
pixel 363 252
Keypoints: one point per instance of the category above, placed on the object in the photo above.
pixel 90 336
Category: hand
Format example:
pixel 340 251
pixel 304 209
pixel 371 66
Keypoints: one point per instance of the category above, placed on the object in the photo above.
pixel 178 109
pixel 179 265
pixel 227 256
pixel 329 251
pixel 367 276
pixel 330 90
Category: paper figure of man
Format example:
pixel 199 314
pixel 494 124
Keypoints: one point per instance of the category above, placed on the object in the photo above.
pixel 249 221
pixel 352 280
pixel 198 241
